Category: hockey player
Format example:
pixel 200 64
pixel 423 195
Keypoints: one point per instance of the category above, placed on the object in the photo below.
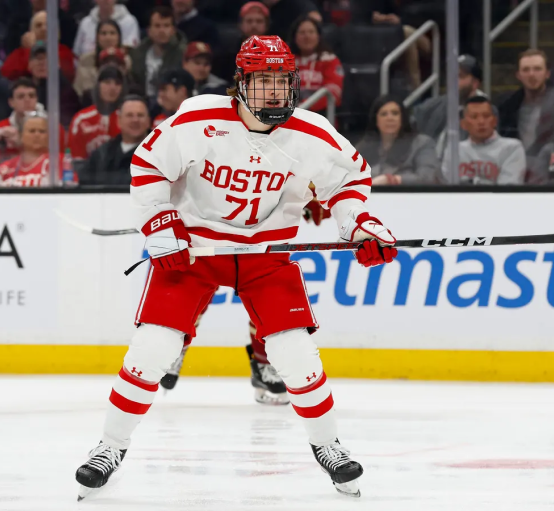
pixel 235 170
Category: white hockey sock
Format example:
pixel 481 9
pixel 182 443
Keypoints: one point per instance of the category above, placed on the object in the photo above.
pixel 152 351
pixel 130 399
pixel 296 358
pixel 314 404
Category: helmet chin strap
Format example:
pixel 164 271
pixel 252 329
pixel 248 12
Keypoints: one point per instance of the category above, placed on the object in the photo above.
pixel 269 116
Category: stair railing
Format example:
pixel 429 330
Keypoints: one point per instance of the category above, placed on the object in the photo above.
pixel 432 81
pixel 489 36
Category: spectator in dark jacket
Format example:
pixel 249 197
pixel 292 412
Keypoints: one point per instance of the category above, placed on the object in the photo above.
pixel 38 68
pixel 110 163
pixel 174 86
pixel 195 26
pixel 161 50
pixel 395 153
pixel 197 60
pixel 528 113
pixel 253 20
pixel 431 116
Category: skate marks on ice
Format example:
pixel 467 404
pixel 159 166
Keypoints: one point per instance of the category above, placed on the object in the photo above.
pixel 208 446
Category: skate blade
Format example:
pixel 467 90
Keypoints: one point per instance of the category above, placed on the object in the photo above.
pixel 268 398
pixel 350 489
pixel 84 492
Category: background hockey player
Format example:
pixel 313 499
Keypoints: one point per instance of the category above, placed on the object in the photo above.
pixel 235 171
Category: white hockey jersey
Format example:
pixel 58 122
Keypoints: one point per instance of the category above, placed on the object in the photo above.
pixel 234 186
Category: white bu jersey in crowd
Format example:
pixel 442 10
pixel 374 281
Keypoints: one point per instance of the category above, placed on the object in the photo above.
pixel 234 186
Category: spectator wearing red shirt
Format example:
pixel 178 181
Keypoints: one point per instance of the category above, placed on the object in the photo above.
pixel 93 126
pixel 174 86
pixel 31 167
pixel 317 66
pixel 17 63
pixel 23 100
pixel 108 44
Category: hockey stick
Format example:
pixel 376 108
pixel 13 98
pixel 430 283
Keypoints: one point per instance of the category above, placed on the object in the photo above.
pixel 317 247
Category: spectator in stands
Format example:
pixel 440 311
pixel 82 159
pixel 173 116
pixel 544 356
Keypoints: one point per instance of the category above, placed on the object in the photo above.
pixel 16 17
pixel 93 126
pixel 318 67
pixel 541 168
pixel 85 40
pixel 527 114
pixel 17 63
pixel 23 100
pixel 197 60
pixel 253 20
pixel 31 167
pixel 284 12
pixel 108 45
pixel 161 50
pixel 195 26
pixel 174 86
pixel 109 164
pixel 397 155
pixel 486 157
pixel 431 116
pixel 38 68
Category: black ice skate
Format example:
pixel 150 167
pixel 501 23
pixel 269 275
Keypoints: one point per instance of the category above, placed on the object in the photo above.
pixel 335 461
pixel 103 462
pixel 169 381
pixel 269 388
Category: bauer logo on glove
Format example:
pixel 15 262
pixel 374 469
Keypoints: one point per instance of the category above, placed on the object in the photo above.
pixel 167 242
pixel 377 247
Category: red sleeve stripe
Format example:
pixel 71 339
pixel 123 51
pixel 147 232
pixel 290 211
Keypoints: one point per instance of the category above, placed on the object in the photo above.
pixel 126 405
pixel 315 131
pixel 133 380
pixel 312 412
pixel 362 182
pixel 309 388
pixel 356 154
pixel 261 237
pixel 139 162
pixel 348 194
pixel 364 165
pixel 146 180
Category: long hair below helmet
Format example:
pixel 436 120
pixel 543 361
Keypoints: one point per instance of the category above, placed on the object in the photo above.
pixel 267 54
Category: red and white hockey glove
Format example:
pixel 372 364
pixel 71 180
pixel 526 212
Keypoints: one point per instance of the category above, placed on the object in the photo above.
pixel 377 247
pixel 167 241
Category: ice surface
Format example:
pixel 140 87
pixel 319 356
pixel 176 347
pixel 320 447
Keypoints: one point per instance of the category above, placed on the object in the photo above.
pixel 208 446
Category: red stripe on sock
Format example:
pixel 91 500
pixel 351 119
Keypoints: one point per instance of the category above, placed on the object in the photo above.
pixel 309 388
pixel 133 380
pixel 312 412
pixel 126 405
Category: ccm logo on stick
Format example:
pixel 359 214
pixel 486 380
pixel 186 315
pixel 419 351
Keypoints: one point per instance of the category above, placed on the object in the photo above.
pixel 453 242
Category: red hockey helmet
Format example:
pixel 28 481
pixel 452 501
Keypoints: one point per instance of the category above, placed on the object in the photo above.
pixel 268 54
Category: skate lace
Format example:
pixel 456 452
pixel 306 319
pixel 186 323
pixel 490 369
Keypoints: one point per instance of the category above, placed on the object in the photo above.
pixel 104 458
pixel 269 374
pixel 333 456
pixel 175 368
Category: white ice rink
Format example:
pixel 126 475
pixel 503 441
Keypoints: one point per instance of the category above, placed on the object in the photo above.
pixel 208 446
